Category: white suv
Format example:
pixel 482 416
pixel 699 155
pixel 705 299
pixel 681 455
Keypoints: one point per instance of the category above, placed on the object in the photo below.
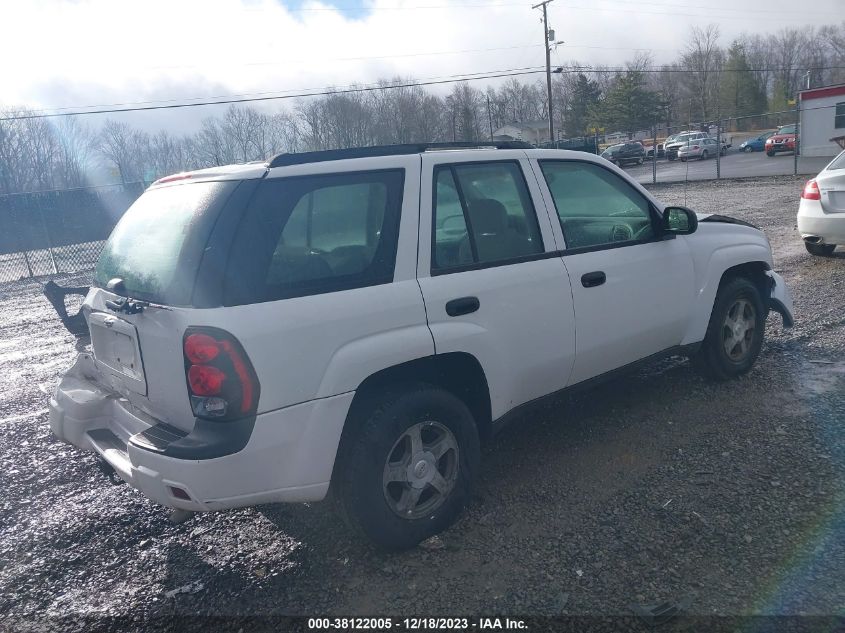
pixel 362 319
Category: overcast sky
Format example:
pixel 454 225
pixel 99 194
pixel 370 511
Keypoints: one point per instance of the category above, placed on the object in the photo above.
pixel 69 54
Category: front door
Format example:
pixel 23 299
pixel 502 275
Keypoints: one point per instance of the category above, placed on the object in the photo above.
pixel 492 283
pixel 632 290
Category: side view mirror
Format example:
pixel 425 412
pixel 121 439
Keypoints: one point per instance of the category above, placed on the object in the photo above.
pixel 679 220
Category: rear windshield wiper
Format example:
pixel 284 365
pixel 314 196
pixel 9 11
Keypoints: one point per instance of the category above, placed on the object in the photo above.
pixel 126 305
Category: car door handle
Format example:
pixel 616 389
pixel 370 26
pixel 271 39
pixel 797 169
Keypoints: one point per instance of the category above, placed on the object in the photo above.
pixel 593 279
pixel 463 305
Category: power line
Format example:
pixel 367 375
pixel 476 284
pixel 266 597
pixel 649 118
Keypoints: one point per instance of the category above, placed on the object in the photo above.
pixel 375 85
pixel 322 93
pixel 514 72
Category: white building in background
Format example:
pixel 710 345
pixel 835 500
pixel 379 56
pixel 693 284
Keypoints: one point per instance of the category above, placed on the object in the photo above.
pixel 534 132
pixel 822 118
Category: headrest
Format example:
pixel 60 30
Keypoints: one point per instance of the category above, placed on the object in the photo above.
pixel 488 216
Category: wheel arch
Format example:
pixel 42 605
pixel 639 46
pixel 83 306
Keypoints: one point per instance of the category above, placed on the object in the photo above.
pixel 722 268
pixel 459 373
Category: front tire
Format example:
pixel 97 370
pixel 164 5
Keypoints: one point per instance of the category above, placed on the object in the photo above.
pixel 639 161
pixel 704 155
pixel 821 250
pixel 735 332
pixel 407 469
pixel 770 154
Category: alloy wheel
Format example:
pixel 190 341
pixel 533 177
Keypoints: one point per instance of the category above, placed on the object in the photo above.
pixel 421 470
pixel 738 329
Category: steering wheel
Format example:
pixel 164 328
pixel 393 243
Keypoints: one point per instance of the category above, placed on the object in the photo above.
pixel 644 231
pixel 621 233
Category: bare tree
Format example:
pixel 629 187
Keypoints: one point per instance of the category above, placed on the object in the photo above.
pixel 125 148
pixel 703 60
pixel 75 145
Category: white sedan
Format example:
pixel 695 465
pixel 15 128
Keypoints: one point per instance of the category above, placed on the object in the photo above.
pixel 821 213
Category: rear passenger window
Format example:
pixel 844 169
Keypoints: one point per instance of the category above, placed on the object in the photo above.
pixel 482 214
pixel 315 234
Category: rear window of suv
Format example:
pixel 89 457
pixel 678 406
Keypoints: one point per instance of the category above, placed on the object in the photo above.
pixel 314 234
pixel 156 245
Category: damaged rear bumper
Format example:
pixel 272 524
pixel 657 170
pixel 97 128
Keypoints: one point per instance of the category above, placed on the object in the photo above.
pixel 288 457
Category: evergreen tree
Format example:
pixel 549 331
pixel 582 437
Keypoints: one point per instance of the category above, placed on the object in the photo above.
pixel 628 106
pixel 740 92
pixel 585 95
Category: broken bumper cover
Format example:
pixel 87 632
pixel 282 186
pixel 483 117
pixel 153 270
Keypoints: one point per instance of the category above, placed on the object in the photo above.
pixel 288 456
pixel 780 298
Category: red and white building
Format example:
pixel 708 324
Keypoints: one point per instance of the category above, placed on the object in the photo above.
pixel 822 118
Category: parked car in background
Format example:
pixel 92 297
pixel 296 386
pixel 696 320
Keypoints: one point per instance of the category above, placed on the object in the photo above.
pixel 681 140
pixel 821 212
pixel 363 319
pixel 649 150
pixel 784 140
pixel 702 148
pixel 756 144
pixel 630 152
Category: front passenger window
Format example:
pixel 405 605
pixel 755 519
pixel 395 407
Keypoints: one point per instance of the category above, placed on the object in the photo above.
pixel 595 206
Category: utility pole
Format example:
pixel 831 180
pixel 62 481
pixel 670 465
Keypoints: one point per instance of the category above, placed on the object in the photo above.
pixel 489 117
pixel 548 37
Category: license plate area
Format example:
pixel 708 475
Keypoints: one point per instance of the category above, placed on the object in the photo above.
pixel 836 201
pixel 117 352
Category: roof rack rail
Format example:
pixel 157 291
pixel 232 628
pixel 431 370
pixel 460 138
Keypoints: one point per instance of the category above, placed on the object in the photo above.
pixel 285 160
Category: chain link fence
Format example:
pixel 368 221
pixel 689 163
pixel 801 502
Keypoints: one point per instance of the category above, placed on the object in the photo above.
pixel 63 231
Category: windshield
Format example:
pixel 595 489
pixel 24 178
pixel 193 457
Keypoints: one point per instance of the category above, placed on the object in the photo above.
pixel 145 248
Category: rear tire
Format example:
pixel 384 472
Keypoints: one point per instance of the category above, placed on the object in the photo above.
pixel 770 154
pixel 735 332
pixel 393 483
pixel 821 250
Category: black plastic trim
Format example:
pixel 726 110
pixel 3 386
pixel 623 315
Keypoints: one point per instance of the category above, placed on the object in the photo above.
pixel 726 219
pixel 207 440
pixel 500 262
pixel 285 160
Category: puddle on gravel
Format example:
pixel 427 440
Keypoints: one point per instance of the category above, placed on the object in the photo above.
pixel 823 376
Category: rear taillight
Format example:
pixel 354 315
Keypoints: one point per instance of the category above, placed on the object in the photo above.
pixel 221 380
pixel 811 191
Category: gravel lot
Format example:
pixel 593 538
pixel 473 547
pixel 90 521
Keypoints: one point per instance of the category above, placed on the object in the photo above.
pixel 658 486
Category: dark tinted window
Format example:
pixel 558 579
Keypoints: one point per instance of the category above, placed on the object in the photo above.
pixel 839 120
pixel 482 214
pixel 316 234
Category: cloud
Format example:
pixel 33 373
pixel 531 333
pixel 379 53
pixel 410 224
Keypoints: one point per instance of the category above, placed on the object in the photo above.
pixel 76 53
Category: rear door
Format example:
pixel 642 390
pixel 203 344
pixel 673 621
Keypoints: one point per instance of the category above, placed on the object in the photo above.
pixel 632 291
pixel 492 283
